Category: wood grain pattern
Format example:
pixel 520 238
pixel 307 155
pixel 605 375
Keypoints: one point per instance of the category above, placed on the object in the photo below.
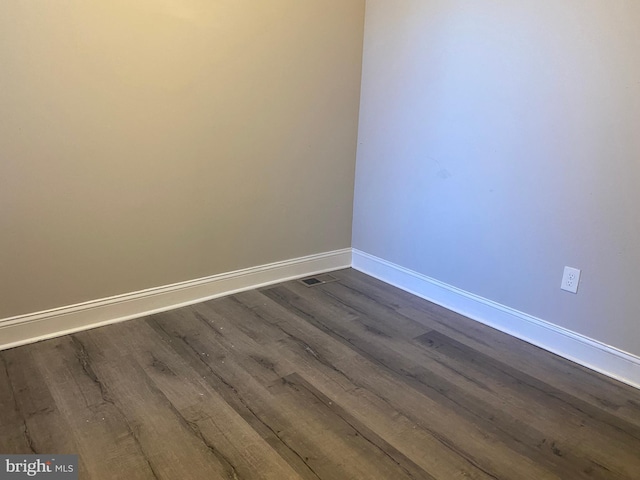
pixel 348 379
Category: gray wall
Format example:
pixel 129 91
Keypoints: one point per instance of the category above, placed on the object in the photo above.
pixel 500 141
pixel 146 143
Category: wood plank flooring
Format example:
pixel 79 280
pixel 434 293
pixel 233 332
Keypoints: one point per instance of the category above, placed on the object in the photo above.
pixel 347 380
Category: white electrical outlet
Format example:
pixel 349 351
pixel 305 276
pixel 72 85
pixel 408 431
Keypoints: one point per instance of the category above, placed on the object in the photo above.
pixel 570 279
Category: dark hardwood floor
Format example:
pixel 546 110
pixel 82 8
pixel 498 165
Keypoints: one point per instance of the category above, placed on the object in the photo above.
pixel 347 380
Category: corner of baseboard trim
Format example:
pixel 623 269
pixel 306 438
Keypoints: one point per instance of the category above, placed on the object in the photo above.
pixel 34 327
pixel 573 346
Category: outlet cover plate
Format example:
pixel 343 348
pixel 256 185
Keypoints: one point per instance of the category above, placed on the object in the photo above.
pixel 570 279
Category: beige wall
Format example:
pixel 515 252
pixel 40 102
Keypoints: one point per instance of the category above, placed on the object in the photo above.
pixel 148 142
pixel 500 141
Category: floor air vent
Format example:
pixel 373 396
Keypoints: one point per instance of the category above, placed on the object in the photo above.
pixel 318 280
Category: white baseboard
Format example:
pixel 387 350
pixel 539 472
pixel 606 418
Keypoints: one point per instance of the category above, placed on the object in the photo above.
pixel 33 327
pixel 571 345
pixel 38 326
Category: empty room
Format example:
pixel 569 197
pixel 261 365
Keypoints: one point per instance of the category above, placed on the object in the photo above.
pixel 319 239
